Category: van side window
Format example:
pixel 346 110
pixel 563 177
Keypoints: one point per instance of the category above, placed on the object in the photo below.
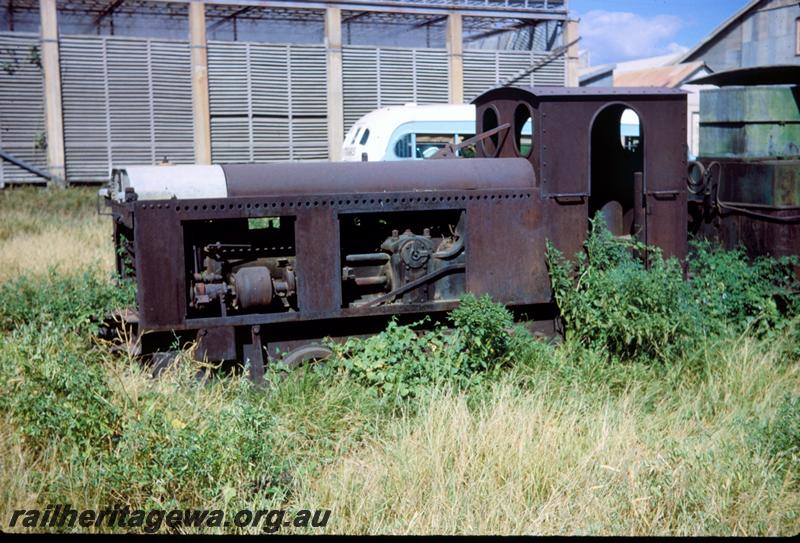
pixel 429 144
pixel 402 149
pixel 364 137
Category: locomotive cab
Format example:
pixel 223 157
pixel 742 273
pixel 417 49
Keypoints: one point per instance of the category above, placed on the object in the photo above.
pixel 583 166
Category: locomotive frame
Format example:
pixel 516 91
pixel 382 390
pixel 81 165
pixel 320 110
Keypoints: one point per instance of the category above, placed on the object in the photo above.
pixel 506 205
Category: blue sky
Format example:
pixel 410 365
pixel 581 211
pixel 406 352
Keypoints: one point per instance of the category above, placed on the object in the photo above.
pixel 619 30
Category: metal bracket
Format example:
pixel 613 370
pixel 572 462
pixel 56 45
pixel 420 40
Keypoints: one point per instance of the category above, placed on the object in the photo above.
pixel 663 194
pixel 569 198
pixel 449 150
pixel 254 352
pixel 414 284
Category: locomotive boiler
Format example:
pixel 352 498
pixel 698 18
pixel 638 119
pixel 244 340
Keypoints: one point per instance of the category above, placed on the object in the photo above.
pixel 259 262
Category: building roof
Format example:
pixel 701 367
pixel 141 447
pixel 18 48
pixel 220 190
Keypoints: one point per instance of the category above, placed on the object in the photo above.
pixel 591 73
pixel 663 76
pixel 648 62
pixel 756 75
pixel 720 30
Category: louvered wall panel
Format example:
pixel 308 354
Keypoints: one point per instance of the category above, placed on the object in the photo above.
pixel 125 101
pixel 130 101
pixel 552 74
pixel 484 70
pixel 359 82
pixel 270 95
pixel 267 101
pixel 480 72
pixel 228 94
pixel 171 70
pixel 396 67
pixel 21 106
pixel 308 82
pixel 512 64
pixel 84 98
pixel 431 80
pixel 391 76
pixel 269 66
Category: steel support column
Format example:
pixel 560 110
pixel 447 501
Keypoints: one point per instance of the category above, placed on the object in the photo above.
pixel 335 97
pixel 571 41
pixel 51 67
pixel 455 59
pixel 200 109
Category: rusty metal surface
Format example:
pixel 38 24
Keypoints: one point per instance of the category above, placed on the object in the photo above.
pixel 507 258
pixel 749 204
pixel 750 122
pixel 580 175
pixel 346 177
pixel 318 266
pixel 217 343
pixel 361 242
pixel 746 184
pixel 160 270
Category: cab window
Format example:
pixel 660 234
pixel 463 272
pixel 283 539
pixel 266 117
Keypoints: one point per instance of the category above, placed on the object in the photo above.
pixel 364 137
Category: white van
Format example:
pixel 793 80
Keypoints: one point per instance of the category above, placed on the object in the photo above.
pixel 408 132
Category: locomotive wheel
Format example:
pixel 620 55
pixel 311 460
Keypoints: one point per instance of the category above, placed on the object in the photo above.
pixel 120 329
pixel 161 361
pixel 307 353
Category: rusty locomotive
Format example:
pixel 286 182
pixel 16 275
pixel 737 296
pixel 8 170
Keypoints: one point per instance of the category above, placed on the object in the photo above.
pixel 259 262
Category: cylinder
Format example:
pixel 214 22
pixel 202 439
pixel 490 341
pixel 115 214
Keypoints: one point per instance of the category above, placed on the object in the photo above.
pixel 253 287
pixel 290 178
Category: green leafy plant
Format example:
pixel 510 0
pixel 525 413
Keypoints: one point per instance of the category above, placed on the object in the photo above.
pixel 403 362
pixel 734 293
pixel 614 298
pixel 40 141
pixel 52 390
pixel 78 301
pixel 627 299
pixel 35 56
pixel 481 333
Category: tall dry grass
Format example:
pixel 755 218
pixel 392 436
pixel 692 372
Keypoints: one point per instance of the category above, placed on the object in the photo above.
pixel 44 228
pixel 660 458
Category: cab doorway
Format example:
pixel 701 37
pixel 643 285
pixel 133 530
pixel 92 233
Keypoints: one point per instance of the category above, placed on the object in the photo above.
pixel 616 155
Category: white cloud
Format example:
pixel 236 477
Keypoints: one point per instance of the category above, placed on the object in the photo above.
pixel 612 36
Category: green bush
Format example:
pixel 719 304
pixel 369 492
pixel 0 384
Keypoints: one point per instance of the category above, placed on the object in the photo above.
pixel 481 333
pixel 610 299
pixel 624 297
pixel 734 293
pixel 402 362
pixel 164 456
pixel 78 301
pixel 54 388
